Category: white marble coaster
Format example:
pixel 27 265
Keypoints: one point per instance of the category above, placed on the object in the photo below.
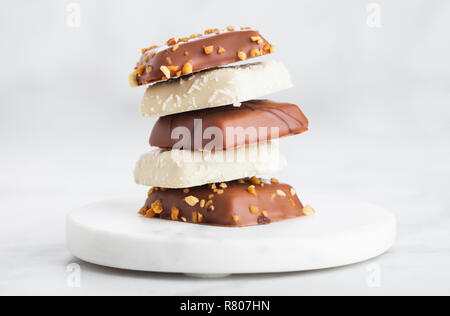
pixel 343 232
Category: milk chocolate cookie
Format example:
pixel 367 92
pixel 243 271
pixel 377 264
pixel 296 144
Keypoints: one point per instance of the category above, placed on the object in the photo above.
pixel 229 127
pixel 198 52
pixel 240 203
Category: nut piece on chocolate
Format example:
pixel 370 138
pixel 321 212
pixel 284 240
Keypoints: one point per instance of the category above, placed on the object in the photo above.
pixel 255 121
pixel 196 53
pixel 232 206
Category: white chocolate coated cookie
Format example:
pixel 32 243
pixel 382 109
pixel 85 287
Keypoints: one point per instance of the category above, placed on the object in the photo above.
pixel 177 169
pixel 217 87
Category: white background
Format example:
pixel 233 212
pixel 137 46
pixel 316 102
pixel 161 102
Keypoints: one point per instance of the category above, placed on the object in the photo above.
pixel 378 99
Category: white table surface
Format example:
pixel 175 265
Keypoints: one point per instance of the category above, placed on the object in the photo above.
pixel 37 196
pixel 377 99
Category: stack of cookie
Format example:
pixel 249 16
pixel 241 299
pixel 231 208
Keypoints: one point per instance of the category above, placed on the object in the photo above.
pixel 214 137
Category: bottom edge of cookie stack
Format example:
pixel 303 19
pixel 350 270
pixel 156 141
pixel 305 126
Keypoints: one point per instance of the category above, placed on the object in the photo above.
pixel 239 203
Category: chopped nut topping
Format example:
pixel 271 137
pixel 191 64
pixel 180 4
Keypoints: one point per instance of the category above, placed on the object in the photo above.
pixel 266 47
pixel 274 181
pixel 255 53
pixel 210 31
pixel 221 50
pixel 186 53
pixel 132 79
pixel 200 217
pixel 235 218
pixel 242 55
pixel 178 73
pixel 293 193
pixel 187 69
pixel 175 47
pixel 212 208
pixel 146 59
pixel 157 207
pixel 257 39
pixel 191 200
pixel 186 191
pixel 165 70
pixel 169 60
pixel 220 192
pixel 143 211
pixel 150 192
pixel 175 213
pixel 255 181
pixel 149 69
pixel 208 204
pixel 281 193
pixel 172 41
pixel 194 217
pixel 152 55
pixel 265 213
pixel 184 219
pixel 272 49
pixel 252 190
pixel 241 181
pixel 150 214
pixel 291 201
pixel 245 28
pixel 272 195
pixel 211 196
pixel 223 185
pixel 202 203
pixel 140 70
pixel 262 184
pixel 254 209
pixel 173 68
pixel 193 36
pixel 231 28
pixel 308 211
pixel 213 186
pixel 208 50
pixel 184 39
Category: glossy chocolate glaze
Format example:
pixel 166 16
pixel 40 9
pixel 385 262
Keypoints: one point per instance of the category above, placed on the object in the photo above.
pixel 231 208
pixel 286 118
pixel 193 52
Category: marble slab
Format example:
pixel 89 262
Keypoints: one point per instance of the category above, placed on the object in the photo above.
pixel 343 232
